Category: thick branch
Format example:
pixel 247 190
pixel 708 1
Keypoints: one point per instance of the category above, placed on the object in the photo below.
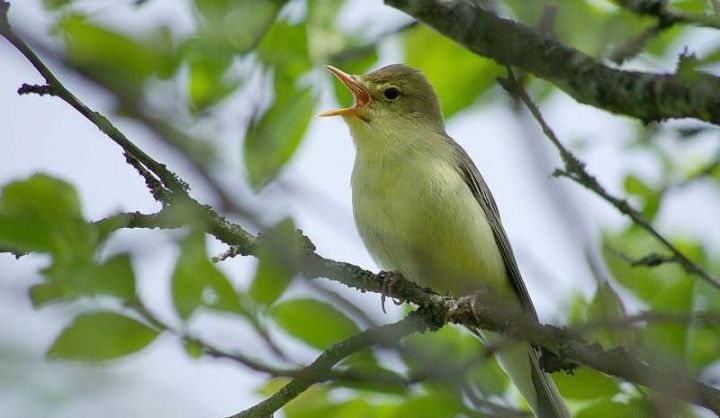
pixel 646 96
pixel 488 315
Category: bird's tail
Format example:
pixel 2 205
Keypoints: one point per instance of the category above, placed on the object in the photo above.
pixel 521 363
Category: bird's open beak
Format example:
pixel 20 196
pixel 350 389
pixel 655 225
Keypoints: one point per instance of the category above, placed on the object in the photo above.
pixel 362 97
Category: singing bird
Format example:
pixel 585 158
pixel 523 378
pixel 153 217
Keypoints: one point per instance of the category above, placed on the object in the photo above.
pixel 423 209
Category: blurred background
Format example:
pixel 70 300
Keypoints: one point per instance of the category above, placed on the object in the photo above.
pixel 226 92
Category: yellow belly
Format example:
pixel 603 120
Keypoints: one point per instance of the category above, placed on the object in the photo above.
pixel 417 216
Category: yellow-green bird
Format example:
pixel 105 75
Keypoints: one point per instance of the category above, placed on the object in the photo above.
pixel 424 210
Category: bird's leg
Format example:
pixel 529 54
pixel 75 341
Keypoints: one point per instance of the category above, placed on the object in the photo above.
pixel 388 280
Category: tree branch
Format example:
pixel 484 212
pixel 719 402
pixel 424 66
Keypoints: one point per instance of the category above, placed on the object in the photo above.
pixel 646 96
pixel 485 313
pixel 574 169
pixel 317 371
pixel 56 88
pixel 667 17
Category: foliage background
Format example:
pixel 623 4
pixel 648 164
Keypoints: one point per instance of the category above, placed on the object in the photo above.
pixel 199 67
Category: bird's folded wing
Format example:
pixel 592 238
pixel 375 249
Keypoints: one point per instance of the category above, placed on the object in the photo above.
pixel 484 197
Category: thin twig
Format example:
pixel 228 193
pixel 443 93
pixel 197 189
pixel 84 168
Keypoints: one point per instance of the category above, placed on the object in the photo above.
pixel 644 95
pixel 56 88
pixel 574 169
pixel 633 46
pixel 694 318
pixel 667 17
pixel 649 260
pixel 326 361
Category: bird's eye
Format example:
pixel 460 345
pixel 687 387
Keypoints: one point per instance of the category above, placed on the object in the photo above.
pixel 391 93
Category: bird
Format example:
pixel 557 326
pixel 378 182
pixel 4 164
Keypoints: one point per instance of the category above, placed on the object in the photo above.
pixel 423 210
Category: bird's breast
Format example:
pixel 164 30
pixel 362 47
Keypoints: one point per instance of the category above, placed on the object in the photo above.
pixel 417 216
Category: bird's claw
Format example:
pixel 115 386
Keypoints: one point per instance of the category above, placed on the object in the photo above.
pixel 388 280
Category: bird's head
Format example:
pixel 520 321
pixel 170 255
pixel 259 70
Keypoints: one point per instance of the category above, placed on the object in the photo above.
pixel 394 98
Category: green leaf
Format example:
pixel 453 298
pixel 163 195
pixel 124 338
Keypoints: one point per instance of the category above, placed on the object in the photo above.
pixel 273 139
pixel 433 405
pixel 459 76
pixel 55 5
pixel 285 47
pixel 193 348
pixel 98 336
pixel 489 378
pixel 237 25
pixel 278 257
pixel 314 402
pixel 669 339
pixel 586 384
pixel 704 341
pixel 114 277
pixel 209 82
pixel 645 283
pixel 45 293
pixel 607 306
pixel 316 323
pixel 691 6
pixel 364 363
pixel 44 214
pixel 651 197
pixel 41 196
pixel 578 309
pixel 608 408
pixel 104 53
pixel 198 283
pixel 454 347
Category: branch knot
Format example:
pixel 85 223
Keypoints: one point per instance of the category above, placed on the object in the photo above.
pixel 41 89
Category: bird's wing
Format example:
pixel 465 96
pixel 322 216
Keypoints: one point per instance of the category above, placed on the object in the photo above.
pixel 484 197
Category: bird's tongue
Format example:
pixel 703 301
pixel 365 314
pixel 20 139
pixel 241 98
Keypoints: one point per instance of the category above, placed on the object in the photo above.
pixel 362 97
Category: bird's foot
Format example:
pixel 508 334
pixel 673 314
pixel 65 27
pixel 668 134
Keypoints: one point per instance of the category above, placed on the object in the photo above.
pixel 388 281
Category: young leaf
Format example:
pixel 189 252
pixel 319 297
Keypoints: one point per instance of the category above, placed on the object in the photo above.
pixel 42 196
pixel 237 25
pixel 605 307
pixel 277 259
pixel 432 405
pixel 272 140
pixel 45 293
pixel 651 198
pixel 209 82
pixel 197 282
pixel 98 336
pixel 645 283
pixel 114 277
pixel 459 76
pixel 608 408
pixel 104 53
pixel 669 339
pixel 68 281
pixel 316 323
pixel 43 214
pixel 586 384
pixel 285 47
